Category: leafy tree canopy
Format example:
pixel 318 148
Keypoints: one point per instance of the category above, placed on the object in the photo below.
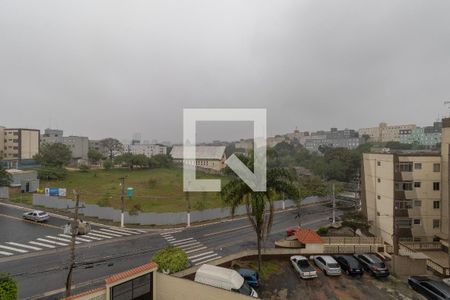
pixel 55 155
pixel 171 260
pixel 8 287
pixel 5 177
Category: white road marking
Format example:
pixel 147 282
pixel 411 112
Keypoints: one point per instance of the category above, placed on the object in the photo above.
pixel 41 244
pixel 192 247
pixel 52 242
pixel 170 239
pixel 176 243
pixel 24 246
pixel 195 250
pixel 203 258
pixel 106 233
pixel 5 253
pixel 171 232
pixel 208 260
pixel 201 254
pixel 188 245
pixel 115 232
pixel 185 240
pixel 92 237
pixel 123 230
pixel 60 239
pixel 77 238
pixel 99 235
pixel 13 249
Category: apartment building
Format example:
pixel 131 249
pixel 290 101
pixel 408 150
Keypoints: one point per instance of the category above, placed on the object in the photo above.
pixel 51 136
pixel 407 193
pixel 386 133
pixel 2 142
pixel 405 187
pixel 19 143
pixel 346 138
pixel 79 145
pixel 148 150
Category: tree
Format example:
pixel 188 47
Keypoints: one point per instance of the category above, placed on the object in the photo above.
pixel 94 156
pixel 309 186
pixel 52 173
pixel 171 260
pixel 160 161
pixel 55 155
pixel 8 287
pixel 111 145
pixel 259 205
pixel 5 177
pixel 355 220
pixel 107 164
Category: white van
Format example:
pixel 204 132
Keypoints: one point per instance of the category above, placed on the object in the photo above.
pixel 224 278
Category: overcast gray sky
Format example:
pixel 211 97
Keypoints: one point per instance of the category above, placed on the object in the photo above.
pixel 112 68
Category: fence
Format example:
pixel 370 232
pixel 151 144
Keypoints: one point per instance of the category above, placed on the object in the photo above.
pixel 410 248
pixel 353 240
pixel 353 248
pixel 148 218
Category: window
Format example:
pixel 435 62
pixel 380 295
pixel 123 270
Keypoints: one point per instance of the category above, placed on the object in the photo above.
pixel 404 223
pixel 378 197
pixel 436 223
pixel 436 167
pixel 417 184
pixel 416 221
pixel 403 204
pixel 417 203
pixel 405 167
pixel 379 180
pixel 403 186
pixel 436 186
pixel 436 204
pixel 379 163
pixel 417 166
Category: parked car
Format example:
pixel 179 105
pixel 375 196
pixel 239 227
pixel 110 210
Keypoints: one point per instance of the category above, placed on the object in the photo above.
pixel 349 264
pixel 327 264
pixel 224 278
pixel 36 215
pixel 303 267
pixel 430 288
pixel 373 264
pixel 250 276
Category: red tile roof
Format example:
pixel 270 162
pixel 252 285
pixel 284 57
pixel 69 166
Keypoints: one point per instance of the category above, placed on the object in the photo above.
pixel 308 236
pixel 132 272
pixel 85 294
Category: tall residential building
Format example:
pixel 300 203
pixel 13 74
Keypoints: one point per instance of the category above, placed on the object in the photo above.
pixel 51 136
pixel 148 150
pixel 20 144
pixel 406 187
pixel 79 145
pixel 384 133
pixel 406 195
pixel 346 138
pixel 2 142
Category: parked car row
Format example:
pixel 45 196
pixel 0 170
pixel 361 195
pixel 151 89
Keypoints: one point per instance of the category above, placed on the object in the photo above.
pixel 430 288
pixel 335 265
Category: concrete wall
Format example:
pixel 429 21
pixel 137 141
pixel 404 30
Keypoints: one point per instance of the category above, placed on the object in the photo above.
pixel 406 266
pixel 4 192
pixel 108 213
pixel 173 288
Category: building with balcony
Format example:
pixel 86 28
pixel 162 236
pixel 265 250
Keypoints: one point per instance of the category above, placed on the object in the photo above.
pixel 386 133
pixel 19 143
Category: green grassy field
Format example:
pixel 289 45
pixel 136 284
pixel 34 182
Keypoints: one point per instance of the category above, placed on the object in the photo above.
pixel 156 190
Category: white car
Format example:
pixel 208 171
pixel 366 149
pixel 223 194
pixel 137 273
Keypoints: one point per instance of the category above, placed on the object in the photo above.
pixel 36 215
pixel 327 264
pixel 303 267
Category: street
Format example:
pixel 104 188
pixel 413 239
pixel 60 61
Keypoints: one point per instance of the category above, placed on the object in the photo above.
pixel 42 273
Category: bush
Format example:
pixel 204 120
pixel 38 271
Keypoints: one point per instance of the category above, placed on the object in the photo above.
pixel 84 168
pixel 171 260
pixel 107 164
pixel 135 210
pixel 8 287
pixel 322 231
pixel 52 173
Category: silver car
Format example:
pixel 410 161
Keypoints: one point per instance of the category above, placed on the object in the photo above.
pixel 36 215
pixel 327 264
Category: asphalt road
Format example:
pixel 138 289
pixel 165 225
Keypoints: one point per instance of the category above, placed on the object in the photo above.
pixel 41 274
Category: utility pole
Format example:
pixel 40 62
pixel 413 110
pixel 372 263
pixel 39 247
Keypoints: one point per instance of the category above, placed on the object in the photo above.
pixel 334 205
pixel 122 192
pixel 74 231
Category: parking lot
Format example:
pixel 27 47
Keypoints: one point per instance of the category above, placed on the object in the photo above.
pixel 285 283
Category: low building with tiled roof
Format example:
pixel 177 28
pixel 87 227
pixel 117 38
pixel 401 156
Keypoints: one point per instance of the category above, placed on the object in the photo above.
pixel 206 157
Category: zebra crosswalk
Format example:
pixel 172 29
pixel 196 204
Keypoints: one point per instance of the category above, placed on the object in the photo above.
pixel 197 252
pixel 62 240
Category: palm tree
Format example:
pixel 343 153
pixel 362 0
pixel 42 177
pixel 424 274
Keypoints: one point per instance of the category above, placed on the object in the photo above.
pixel 259 205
